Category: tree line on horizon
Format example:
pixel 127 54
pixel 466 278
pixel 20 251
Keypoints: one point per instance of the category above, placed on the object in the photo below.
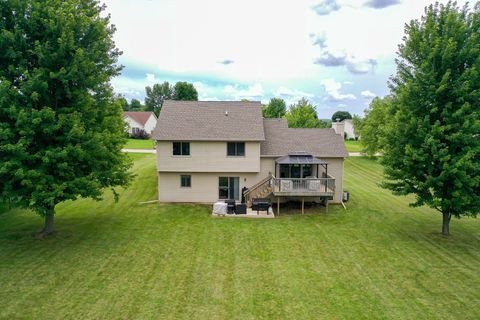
pixel 157 94
pixel 301 114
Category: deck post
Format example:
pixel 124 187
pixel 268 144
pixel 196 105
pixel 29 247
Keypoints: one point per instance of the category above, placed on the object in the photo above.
pixel 278 206
pixel 326 176
pixel 326 205
pixel 303 205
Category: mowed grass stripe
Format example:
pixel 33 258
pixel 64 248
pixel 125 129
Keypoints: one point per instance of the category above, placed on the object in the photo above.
pixel 439 249
pixel 379 259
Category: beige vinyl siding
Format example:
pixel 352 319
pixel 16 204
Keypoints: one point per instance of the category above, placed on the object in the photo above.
pixel 208 156
pixel 204 187
pixel 335 169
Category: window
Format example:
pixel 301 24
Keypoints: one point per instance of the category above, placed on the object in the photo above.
pixel 296 171
pixel 185 181
pixel 284 171
pixel 229 188
pixel 181 148
pixel 307 171
pixel 236 149
pixel 135 130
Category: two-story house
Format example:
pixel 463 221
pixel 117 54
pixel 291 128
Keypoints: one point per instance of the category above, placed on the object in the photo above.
pixel 209 151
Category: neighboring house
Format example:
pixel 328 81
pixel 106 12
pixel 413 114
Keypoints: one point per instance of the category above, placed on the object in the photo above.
pixel 345 128
pixel 137 121
pixel 209 151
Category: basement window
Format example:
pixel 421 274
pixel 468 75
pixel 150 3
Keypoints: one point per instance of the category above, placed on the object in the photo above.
pixel 186 181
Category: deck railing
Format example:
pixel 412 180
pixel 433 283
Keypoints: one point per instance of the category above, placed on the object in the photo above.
pixel 304 186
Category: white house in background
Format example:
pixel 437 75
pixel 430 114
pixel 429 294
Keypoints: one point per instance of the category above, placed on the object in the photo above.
pixel 209 151
pixel 345 128
pixel 137 121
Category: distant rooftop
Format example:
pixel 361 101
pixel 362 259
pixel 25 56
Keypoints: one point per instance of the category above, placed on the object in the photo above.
pixel 139 116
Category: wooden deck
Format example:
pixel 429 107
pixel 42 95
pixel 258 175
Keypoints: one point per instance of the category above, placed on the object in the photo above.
pixel 308 187
pixel 293 187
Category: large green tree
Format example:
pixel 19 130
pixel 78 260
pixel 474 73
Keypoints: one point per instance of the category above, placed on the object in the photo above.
pixel 61 131
pixel 136 105
pixel 185 91
pixel 341 115
pixel 122 102
pixel 357 122
pixel 373 127
pixel 433 147
pixel 303 115
pixel 156 95
pixel 276 108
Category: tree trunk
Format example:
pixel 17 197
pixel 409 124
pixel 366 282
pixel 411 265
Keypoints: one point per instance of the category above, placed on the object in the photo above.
pixel 446 223
pixel 49 219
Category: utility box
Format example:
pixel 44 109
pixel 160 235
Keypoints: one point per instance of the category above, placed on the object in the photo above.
pixel 346 196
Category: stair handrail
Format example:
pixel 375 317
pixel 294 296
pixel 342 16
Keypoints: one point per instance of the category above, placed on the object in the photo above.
pixel 258 185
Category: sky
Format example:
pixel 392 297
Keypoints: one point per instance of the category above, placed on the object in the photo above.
pixel 337 54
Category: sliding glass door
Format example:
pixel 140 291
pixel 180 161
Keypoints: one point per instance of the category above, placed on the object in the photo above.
pixel 229 188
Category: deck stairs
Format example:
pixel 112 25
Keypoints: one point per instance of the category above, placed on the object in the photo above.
pixel 262 189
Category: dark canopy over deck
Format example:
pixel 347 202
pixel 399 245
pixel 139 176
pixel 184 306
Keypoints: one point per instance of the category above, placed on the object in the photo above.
pixel 300 159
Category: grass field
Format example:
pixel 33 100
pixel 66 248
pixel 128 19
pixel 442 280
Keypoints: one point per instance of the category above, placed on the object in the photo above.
pixel 379 259
pixel 139 144
pixel 353 146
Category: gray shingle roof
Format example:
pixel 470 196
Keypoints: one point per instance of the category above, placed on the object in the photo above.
pixel 207 120
pixel 281 140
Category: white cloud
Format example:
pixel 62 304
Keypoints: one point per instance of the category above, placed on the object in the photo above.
pixel 206 92
pixel 332 88
pixel 226 62
pixel 361 66
pixel 150 79
pixel 380 4
pixel 253 92
pixel 326 7
pixel 284 91
pixel 291 96
pixel 368 94
pixel 319 39
pixel 331 58
pixel 210 99
pixel 258 48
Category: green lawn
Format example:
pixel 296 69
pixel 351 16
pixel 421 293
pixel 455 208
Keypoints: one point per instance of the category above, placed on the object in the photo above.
pixel 139 144
pixel 353 146
pixel 379 259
